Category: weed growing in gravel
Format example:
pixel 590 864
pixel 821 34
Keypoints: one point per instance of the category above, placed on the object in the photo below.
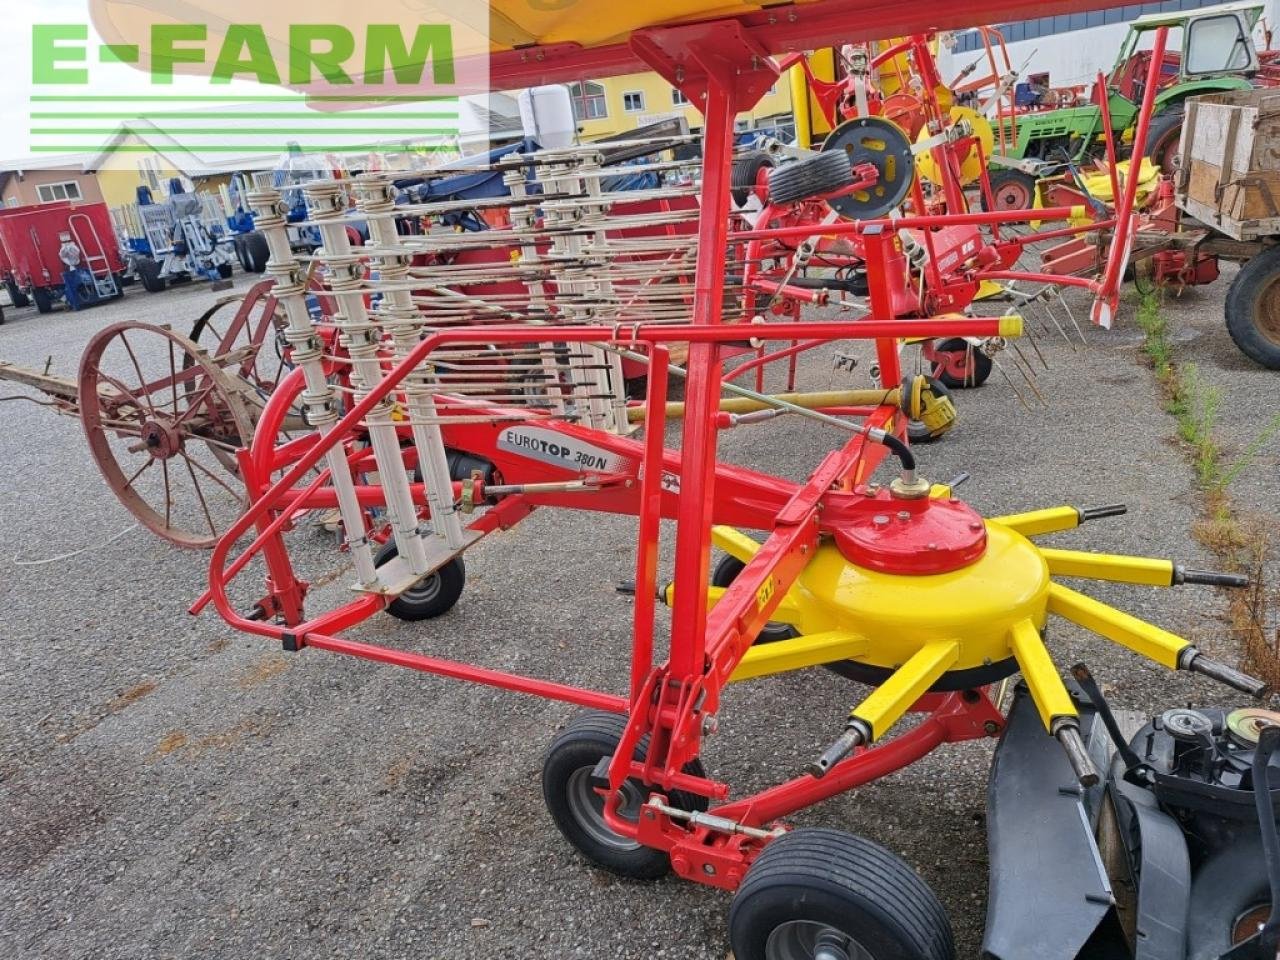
pixel 1239 546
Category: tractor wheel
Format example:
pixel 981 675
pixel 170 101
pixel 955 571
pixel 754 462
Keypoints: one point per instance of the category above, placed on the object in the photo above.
pixel 824 893
pixel 1011 190
pixel 256 252
pixel 16 296
pixel 578 810
pixel 725 572
pixel 42 299
pixel 432 596
pixel 961 365
pixel 746 170
pixel 148 271
pixel 1163 136
pixel 1253 309
pixel 811 177
pixel 224 271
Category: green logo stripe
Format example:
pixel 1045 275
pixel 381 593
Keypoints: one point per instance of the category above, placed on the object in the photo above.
pixel 252 148
pixel 241 131
pixel 319 119
pixel 250 98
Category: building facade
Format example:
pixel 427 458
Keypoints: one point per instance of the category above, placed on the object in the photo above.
pixel 614 105
pixel 1072 48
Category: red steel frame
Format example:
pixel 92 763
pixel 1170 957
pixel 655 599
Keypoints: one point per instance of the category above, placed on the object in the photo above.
pixel 724 67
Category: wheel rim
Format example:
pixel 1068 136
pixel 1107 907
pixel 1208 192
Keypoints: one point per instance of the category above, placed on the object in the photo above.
pixel 1012 195
pixel 810 940
pixel 1267 316
pixel 587 807
pixel 424 591
pixel 154 439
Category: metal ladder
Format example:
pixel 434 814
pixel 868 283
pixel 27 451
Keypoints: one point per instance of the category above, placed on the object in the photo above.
pixel 104 284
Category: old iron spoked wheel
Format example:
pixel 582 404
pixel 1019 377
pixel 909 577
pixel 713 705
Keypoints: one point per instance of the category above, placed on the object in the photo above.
pixel 245 346
pixel 157 413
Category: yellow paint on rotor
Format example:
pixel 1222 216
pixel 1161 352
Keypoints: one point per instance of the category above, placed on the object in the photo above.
pixel 976 605
pixel 971 165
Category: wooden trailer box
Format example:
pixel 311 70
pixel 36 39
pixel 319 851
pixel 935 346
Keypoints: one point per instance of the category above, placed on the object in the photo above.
pixel 1229 172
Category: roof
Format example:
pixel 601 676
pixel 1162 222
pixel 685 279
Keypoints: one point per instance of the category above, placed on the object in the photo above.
pixel 1149 21
pixel 549 43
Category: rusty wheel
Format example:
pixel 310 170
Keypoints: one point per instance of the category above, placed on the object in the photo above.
pixel 160 419
pixel 245 345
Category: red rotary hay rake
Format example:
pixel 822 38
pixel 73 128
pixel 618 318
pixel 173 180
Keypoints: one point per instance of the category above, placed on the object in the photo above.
pixel 441 387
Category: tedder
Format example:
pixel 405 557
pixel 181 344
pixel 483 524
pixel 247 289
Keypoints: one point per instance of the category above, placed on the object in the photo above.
pixel 434 388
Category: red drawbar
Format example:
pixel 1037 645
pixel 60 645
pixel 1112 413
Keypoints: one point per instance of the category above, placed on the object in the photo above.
pixel 912 537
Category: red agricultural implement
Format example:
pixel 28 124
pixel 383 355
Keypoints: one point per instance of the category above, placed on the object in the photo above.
pixel 894 581
pixel 429 394
pixel 34 238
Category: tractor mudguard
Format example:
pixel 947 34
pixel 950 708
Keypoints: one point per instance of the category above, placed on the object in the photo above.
pixel 1048 889
pixel 1194 88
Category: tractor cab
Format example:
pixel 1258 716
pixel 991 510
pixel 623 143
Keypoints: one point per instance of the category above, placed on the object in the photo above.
pixel 1209 43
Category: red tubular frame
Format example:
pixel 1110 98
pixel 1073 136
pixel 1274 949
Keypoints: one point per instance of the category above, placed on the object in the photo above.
pixel 723 66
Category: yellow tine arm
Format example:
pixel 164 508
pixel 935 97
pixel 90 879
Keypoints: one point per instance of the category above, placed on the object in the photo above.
pixel 765 659
pixel 1047 688
pixel 1139 636
pixel 889 701
pixel 735 543
pixel 1108 566
pixel 1050 520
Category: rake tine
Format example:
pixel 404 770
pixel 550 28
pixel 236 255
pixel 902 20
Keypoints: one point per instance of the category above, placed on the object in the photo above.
pixel 1061 329
pixel 1062 300
pixel 1036 347
pixel 1027 375
pixel 1012 386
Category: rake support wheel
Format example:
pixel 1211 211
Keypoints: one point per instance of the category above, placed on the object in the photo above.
pixel 885 146
pixel 160 418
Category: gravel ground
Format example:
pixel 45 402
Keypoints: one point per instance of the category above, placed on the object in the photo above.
pixel 169 788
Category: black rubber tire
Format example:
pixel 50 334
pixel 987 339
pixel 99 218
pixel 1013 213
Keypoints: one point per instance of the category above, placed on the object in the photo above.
pixel 1255 295
pixel 256 252
pixel 590 736
pixel 1162 137
pixel 42 299
pixel 224 271
pixel 847 884
pixel 237 244
pixel 811 177
pixel 148 271
pixel 982 366
pixel 432 596
pixel 1011 189
pixel 745 171
pixel 16 296
pixel 725 572
pixel 1229 884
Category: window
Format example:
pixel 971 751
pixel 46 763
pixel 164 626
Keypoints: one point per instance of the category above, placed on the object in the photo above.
pixel 633 102
pixel 1217 45
pixel 52 192
pixel 678 99
pixel 588 100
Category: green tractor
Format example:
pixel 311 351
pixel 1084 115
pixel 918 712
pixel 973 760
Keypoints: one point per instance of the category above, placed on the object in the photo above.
pixel 1214 52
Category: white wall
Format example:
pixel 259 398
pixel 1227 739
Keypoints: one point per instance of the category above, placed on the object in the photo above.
pixel 1076 57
